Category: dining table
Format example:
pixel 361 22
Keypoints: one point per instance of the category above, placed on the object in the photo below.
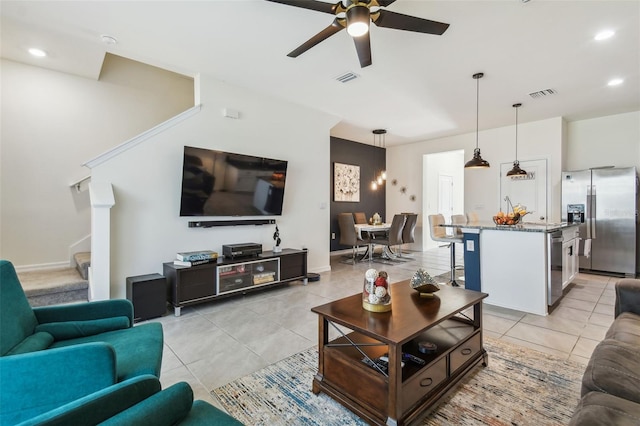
pixel 371 230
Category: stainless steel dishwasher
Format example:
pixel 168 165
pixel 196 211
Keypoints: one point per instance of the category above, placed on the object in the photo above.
pixel 554 292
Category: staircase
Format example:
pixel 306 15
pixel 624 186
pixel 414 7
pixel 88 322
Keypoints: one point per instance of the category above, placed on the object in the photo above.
pixel 58 286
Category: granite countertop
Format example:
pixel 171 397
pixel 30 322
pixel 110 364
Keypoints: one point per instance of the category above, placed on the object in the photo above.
pixel 521 227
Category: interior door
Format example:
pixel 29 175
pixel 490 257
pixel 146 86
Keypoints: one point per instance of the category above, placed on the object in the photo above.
pixel 529 190
pixel 445 198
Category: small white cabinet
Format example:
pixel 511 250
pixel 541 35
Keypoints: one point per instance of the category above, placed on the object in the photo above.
pixel 570 261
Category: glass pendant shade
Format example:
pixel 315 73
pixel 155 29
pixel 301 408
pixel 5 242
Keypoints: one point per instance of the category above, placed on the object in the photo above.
pixel 379 140
pixel 477 162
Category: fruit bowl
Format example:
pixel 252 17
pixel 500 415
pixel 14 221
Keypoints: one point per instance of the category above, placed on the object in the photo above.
pixel 507 219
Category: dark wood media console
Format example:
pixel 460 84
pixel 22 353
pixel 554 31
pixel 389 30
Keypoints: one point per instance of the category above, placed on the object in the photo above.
pixel 198 284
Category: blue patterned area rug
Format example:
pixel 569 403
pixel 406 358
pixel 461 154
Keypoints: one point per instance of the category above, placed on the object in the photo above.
pixel 518 387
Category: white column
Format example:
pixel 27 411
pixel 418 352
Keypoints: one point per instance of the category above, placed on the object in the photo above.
pixel 102 199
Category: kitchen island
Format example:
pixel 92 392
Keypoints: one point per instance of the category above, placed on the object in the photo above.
pixel 524 267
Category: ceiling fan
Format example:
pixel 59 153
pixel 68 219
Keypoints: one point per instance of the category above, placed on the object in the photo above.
pixel 356 17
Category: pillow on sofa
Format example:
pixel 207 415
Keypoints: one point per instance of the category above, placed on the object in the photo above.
pixel 36 342
pixel 73 329
pixel 601 409
pixel 626 328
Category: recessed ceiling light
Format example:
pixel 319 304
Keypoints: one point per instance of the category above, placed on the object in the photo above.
pixel 37 52
pixel 107 39
pixel 615 82
pixel 603 35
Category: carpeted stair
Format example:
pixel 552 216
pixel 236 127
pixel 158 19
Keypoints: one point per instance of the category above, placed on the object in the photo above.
pixel 57 286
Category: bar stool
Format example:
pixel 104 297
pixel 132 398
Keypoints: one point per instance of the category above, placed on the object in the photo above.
pixel 439 233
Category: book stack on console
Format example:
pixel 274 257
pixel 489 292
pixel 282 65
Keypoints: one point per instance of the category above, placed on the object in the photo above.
pixel 193 258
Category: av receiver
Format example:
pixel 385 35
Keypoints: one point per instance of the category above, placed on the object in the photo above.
pixel 234 251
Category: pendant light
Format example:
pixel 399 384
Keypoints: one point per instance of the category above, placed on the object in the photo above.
pixel 379 139
pixel 477 162
pixel 516 171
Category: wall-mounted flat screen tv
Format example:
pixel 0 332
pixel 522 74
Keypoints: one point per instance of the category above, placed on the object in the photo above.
pixel 217 183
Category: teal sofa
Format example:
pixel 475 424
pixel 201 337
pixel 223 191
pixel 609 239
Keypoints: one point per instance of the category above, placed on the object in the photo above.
pixel 52 355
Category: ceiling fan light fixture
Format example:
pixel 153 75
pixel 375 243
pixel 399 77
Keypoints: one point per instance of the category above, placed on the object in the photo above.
pixel 477 162
pixel 358 20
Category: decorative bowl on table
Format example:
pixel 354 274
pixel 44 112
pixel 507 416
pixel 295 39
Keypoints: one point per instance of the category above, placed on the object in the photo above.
pixel 423 283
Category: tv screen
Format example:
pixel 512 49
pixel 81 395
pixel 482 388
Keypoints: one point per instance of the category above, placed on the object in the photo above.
pixel 217 183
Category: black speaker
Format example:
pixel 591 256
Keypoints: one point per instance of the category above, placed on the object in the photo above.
pixel 148 293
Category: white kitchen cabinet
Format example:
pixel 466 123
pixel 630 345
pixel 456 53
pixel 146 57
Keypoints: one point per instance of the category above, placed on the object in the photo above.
pixel 570 260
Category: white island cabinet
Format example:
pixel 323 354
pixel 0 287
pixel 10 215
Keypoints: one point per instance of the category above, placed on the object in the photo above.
pixel 523 267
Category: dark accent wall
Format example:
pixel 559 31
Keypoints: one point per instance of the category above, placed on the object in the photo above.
pixel 371 160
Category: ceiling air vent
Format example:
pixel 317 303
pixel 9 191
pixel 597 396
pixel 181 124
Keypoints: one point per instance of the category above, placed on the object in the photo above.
pixel 348 76
pixel 542 93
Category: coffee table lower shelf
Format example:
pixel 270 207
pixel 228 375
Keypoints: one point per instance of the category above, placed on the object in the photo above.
pixel 365 391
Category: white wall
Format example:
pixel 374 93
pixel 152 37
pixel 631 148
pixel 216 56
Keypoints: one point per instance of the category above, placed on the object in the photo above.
pixel 537 140
pixel 146 227
pixel 53 122
pixel 605 141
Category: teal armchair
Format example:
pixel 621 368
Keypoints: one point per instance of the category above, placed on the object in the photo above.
pixel 136 401
pixel 84 347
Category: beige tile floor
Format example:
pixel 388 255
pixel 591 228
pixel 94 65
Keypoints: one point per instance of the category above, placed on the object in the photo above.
pixel 215 343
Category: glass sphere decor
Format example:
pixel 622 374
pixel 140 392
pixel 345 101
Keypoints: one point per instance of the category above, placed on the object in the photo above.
pixel 375 292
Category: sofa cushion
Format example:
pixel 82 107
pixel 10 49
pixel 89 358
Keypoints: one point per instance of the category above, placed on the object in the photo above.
pixel 35 342
pixel 138 349
pixel 626 328
pixel 73 329
pixel 627 296
pixel 614 368
pixel 601 409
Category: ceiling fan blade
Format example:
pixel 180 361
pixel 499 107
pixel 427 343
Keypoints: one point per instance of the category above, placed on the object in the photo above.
pixel 321 36
pixel 363 47
pixel 399 21
pixel 319 6
pixel 385 3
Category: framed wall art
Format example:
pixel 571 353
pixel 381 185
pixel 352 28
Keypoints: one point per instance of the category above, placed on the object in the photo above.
pixel 346 182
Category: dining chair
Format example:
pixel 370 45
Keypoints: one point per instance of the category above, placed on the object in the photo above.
pixel 348 234
pixel 438 233
pixel 360 218
pixel 393 236
pixel 408 231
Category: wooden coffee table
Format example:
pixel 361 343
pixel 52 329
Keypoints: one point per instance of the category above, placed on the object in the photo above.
pixel 452 320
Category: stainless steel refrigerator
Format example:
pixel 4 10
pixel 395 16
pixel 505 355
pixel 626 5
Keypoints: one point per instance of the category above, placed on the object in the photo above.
pixel 604 201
